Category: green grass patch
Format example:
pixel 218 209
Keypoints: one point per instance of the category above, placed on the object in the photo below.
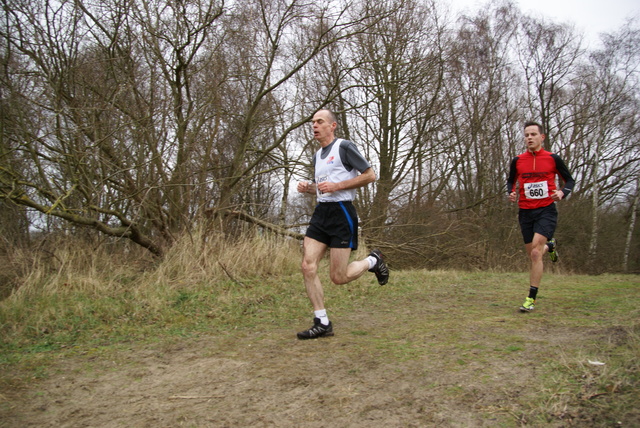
pixel 582 341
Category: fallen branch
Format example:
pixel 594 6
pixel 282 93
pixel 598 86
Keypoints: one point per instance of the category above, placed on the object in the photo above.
pixel 231 276
pixel 589 397
pixel 269 226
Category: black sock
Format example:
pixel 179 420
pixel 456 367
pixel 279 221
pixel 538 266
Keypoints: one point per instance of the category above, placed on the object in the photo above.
pixel 533 292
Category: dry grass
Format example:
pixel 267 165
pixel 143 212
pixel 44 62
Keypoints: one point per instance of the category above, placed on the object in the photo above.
pixel 453 340
pixel 74 288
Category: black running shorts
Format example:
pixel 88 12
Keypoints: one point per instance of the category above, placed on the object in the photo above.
pixel 335 224
pixel 539 220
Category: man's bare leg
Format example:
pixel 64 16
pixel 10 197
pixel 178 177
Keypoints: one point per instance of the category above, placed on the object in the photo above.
pixel 313 253
pixel 342 271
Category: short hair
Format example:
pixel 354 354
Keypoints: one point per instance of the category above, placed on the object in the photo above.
pixel 533 123
pixel 332 117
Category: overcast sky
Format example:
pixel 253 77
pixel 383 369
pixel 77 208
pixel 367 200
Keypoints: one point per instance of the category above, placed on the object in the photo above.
pixel 589 16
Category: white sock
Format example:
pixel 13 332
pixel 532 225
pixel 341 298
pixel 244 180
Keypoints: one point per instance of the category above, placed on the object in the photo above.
pixel 372 261
pixel 322 314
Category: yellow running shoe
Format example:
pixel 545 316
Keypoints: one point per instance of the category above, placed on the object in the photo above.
pixel 528 305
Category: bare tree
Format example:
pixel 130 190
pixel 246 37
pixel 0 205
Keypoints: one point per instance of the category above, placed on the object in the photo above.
pixel 136 118
pixel 632 224
pixel 483 92
pixel 606 153
pixel 395 103
pixel 549 55
pixel 145 112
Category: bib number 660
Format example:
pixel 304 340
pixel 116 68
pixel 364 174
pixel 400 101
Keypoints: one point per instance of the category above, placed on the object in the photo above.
pixel 538 190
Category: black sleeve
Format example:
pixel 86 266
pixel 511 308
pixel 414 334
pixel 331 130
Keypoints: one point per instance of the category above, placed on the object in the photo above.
pixel 564 173
pixel 513 174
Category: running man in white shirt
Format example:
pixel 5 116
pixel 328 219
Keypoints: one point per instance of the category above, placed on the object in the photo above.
pixel 339 170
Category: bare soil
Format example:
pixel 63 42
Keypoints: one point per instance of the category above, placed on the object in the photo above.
pixel 366 375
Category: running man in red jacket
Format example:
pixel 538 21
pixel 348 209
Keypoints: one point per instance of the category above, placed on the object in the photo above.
pixel 534 172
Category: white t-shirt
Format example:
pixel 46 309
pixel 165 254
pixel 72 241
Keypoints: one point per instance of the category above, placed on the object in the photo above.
pixel 333 168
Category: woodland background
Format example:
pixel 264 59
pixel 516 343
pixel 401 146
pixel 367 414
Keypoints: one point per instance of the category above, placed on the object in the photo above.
pixel 126 125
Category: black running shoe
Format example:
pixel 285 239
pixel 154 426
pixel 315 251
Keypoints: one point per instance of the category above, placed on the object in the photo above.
pixel 318 330
pixel 380 269
pixel 553 253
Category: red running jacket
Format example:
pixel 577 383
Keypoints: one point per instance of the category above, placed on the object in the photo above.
pixel 536 175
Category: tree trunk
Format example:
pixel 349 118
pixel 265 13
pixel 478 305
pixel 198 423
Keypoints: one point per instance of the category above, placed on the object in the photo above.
pixel 593 241
pixel 632 224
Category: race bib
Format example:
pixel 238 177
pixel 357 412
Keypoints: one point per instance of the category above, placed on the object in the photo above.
pixel 322 180
pixel 536 190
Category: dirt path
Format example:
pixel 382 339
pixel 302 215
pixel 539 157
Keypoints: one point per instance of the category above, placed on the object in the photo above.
pixel 417 357
pixel 268 378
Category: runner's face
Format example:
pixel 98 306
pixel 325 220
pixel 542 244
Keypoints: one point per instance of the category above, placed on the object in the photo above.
pixel 323 128
pixel 533 138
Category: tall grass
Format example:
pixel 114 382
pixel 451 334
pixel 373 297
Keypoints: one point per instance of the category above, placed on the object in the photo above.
pixel 80 290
